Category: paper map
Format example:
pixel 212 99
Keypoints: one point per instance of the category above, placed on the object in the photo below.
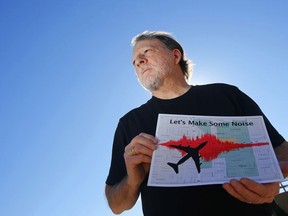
pixel 201 150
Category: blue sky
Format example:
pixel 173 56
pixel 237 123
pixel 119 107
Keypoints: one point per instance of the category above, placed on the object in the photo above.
pixel 66 78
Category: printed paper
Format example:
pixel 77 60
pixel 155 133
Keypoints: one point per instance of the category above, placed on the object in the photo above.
pixel 202 150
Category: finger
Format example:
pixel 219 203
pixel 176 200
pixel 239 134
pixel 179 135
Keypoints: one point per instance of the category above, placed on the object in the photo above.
pixel 134 164
pixel 252 194
pixel 141 144
pixel 230 189
pixel 150 137
pixel 239 191
pixel 263 190
pixel 143 149
pixel 147 140
pixel 136 172
pixel 133 151
pixel 130 151
pixel 140 153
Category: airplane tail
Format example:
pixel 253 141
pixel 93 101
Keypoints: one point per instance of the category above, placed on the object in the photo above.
pixel 174 166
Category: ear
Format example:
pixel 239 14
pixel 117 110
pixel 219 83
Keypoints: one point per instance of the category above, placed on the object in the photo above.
pixel 177 55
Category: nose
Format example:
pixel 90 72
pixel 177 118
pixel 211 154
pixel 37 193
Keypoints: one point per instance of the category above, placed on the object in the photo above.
pixel 140 60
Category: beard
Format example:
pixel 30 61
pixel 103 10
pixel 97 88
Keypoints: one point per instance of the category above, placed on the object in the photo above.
pixel 154 79
pixel 152 82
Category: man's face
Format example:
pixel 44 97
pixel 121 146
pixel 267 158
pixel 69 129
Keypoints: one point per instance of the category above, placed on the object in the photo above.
pixel 152 62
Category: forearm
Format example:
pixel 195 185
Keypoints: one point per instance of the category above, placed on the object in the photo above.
pixel 121 196
pixel 282 156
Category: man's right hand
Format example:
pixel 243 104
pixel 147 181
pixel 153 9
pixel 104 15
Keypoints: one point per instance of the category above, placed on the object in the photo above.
pixel 138 156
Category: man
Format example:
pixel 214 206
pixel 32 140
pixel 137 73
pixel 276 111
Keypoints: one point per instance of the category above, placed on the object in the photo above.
pixel 162 69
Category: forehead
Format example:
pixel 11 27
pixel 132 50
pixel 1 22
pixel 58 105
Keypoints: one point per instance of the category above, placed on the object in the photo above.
pixel 149 43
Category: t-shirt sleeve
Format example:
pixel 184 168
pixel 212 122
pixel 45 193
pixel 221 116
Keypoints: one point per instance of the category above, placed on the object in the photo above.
pixel 250 107
pixel 117 166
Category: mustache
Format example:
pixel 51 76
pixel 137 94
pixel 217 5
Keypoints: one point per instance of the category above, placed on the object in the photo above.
pixel 145 68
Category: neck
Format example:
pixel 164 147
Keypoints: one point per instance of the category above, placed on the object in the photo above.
pixel 171 90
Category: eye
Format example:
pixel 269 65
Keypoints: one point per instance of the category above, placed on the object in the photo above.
pixel 148 50
pixel 145 51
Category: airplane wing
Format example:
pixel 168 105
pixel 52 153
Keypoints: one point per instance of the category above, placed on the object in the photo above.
pixel 188 148
pixel 191 152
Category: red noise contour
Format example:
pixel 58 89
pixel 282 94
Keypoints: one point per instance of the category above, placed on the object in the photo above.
pixel 212 149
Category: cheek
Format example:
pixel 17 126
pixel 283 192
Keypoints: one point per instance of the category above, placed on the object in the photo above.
pixel 137 72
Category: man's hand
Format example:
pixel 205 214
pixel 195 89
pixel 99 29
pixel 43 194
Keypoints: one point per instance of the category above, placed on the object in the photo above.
pixel 138 156
pixel 252 192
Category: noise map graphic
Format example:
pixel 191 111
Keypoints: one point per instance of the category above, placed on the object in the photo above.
pixel 200 150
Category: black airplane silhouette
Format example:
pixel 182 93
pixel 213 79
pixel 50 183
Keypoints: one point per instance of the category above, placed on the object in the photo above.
pixel 191 152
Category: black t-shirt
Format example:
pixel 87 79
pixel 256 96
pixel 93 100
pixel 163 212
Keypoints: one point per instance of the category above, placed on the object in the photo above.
pixel 209 100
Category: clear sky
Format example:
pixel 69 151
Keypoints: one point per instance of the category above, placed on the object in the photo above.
pixel 66 78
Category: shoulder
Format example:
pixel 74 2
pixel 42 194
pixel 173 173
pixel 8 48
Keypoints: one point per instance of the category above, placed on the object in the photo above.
pixel 217 86
pixel 136 113
pixel 218 89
